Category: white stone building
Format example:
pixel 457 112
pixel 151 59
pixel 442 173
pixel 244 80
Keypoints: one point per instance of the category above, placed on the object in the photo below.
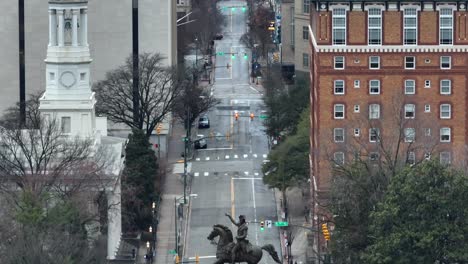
pixel 68 98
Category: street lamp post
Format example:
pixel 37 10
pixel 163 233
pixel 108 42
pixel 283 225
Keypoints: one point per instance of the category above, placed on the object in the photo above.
pixel 178 215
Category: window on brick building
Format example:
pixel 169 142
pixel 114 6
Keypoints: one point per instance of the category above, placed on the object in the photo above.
pixel 357 132
pixel 339 111
pixel 339 87
pixel 445 86
pixel 357 83
pixel 410 87
pixel 338 134
pixel 410 134
pixel 339 26
pixel 374 62
pixel 410 26
pixel 374 135
pixel 374 26
pixel 427 132
pixel 410 62
pixel 427 108
pixel 445 134
pixel 356 109
pixel 374 111
pixel 339 62
pixel 305 33
pixel 445 158
pixel 427 84
pixel 445 62
pixel 446 26
pixel 338 158
pixel 65 124
pixel 411 158
pixel 445 111
pixel 305 60
pixel 306 6
pixel 427 155
pixel 374 156
pixel 374 87
pixel 410 111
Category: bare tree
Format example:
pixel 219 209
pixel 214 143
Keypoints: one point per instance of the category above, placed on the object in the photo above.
pixel 159 87
pixel 11 117
pixel 193 101
pixel 258 30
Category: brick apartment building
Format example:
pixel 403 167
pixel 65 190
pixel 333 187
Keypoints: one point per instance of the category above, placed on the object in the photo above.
pixel 386 74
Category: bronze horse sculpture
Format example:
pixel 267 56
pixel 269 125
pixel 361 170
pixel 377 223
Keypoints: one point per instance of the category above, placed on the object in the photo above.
pixel 226 243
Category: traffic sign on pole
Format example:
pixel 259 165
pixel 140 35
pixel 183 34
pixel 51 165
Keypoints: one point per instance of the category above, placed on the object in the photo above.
pixel 281 224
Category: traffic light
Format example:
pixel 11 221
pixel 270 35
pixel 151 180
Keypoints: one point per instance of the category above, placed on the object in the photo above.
pixel 278 33
pixel 236 116
pixel 197 259
pixel 177 259
pixel 233 56
pixel 244 9
pixel 326 233
pixel 158 129
pixel 245 56
pixel 252 116
pixel 262 225
pixel 233 9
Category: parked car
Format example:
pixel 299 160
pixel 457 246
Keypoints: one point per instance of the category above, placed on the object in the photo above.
pixel 200 142
pixel 204 122
pixel 219 36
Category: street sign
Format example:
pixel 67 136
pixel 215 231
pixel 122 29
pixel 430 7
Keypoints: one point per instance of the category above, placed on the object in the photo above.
pixel 281 223
pixel 172 252
pixel 263 116
pixel 268 223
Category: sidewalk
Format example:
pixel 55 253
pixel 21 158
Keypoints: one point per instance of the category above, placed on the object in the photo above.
pixel 297 211
pixel 173 188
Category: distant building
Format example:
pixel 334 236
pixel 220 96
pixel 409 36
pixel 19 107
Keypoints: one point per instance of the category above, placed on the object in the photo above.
pixel 386 71
pixel 110 36
pixel 287 31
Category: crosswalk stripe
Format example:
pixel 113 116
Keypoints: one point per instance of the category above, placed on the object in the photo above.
pixel 236 156
pixel 246 156
pixel 196 174
pixel 207 158
pixel 206 174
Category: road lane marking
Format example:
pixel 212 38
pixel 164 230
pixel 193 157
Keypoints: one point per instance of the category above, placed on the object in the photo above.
pixel 246 178
pixel 197 159
pixel 246 173
pixel 255 211
pixel 206 174
pixel 256 173
pixel 246 156
pixel 226 157
pixel 217 149
pixel 202 257
pixel 236 156
pixel 265 156
pixel 207 158
pixel 196 174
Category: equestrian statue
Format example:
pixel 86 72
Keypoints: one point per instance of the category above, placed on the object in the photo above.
pixel 242 251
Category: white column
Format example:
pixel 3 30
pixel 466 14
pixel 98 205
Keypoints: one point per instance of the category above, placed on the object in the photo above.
pixel 84 27
pixel 75 27
pixel 114 216
pixel 61 28
pixel 52 28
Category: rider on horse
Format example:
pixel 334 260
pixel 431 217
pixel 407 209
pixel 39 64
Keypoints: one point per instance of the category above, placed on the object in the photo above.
pixel 241 237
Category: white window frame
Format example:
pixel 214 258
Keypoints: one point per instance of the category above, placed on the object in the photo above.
pixel 371 62
pixel 335 111
pixel 336 131
pixel 442 87
pixel 357 83
pixel 337 13
pixel 371 86
pixel 374 111
pixel 445 157
pixel 356 109
pixel 427 108
pixel 407 58
pixel 446 13
pixel 65 127
pixel 337 157
pixel 306 6
pixel 374 14
pixel 445 131
pixel 410 134
pixel 337 62
pixel 335 85
pixel 444 112
pixel 410 14
pixel 410 108
pixel 357 132
pixel 427 83
pixel 407 86
pixel 377 134
pixel 443 62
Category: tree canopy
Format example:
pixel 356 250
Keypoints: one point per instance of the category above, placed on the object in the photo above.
pixel 423 218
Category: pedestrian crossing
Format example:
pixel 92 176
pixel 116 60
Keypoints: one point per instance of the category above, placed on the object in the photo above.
pixel 234 174
pixel 200 157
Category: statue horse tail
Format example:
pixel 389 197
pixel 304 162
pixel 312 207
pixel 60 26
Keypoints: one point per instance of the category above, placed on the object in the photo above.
pixel 271 249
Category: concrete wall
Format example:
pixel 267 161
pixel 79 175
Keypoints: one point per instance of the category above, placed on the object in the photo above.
pixel 301 46
pixel 110 39
pixel 287 28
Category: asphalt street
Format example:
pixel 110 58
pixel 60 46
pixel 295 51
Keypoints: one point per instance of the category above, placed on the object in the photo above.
pixel 227 175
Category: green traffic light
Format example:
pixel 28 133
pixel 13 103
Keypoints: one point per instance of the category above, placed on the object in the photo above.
pixel 243 9
pixel 233 9
pixel 245 56
pixel 261 228
pixel 233 56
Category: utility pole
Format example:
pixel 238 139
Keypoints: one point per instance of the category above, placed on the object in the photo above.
pixel 186 144
pixel 22 73
pixel 136 62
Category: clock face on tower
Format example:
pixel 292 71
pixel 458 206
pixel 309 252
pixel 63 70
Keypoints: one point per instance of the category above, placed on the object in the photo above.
pixel 67 79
